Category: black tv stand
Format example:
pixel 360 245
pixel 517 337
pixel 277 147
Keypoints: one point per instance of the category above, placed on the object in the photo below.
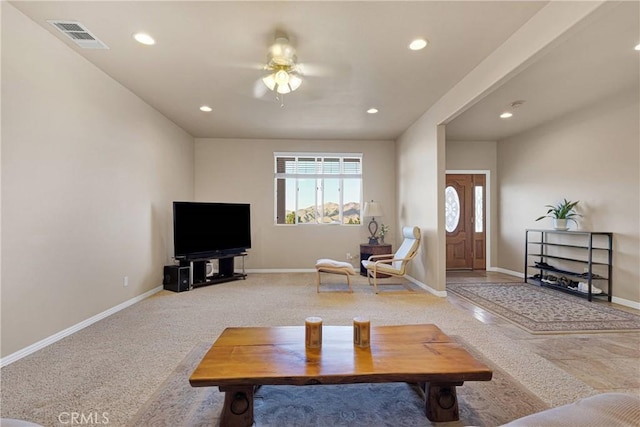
pixel 226 269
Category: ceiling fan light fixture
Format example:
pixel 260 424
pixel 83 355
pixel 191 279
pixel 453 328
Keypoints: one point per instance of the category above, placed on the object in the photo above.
pixel 506 115
pixel 294 82
pixel 281 77
pixel 282 81
pixel 282 52
pixel 269 81
pixel 283 89
pixel 283 74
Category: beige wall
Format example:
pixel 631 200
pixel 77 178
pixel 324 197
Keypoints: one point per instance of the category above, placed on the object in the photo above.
pixel 480 156
pixel 421 149
pixel 229 170
pixel 420 182
pixel 469 155
pixel 592 156
pixel 88 175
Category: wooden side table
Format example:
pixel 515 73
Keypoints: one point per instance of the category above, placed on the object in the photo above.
pixel 367 250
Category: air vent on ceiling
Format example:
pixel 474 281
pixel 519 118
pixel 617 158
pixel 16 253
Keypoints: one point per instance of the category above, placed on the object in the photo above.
pixel 79 34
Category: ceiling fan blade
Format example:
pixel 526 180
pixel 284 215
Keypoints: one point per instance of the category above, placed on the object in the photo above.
pixel 258 66
pixel 307 69
pixel 259 89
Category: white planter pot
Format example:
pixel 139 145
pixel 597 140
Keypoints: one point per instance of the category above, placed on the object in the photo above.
pixel 560 224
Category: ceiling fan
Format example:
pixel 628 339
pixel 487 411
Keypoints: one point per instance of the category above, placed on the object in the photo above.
pixel 282 72
pixel 284 75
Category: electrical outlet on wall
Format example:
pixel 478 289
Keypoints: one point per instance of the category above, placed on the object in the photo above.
pixel 349 256
pixel 125 281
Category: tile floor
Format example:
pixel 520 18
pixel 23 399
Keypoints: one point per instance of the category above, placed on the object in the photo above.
pixel 608 362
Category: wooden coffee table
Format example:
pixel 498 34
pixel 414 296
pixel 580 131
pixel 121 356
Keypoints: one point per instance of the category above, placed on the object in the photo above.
pixel 242 359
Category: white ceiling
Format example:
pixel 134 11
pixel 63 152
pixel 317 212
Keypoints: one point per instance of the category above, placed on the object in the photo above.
pixel 596 61
pixel 356 56
pixel 211 52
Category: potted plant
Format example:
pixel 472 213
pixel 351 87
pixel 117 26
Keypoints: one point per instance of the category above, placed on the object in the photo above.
pixel 561 213
pixel 384 229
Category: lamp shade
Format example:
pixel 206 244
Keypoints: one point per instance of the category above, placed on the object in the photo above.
pixel 372 209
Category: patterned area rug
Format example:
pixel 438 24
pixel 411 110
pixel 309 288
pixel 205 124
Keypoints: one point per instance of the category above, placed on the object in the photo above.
pixel 482 403
pixel 540 310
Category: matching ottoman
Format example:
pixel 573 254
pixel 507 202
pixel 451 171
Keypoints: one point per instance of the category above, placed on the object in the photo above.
pixel 331 266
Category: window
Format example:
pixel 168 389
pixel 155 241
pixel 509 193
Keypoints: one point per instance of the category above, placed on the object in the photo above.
pixel 318 188
pixel 479 221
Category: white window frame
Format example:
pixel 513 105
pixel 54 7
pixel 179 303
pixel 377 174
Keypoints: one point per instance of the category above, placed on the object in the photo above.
pixel 319 177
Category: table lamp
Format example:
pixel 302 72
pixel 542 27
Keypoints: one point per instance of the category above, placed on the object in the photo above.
pixel 373 209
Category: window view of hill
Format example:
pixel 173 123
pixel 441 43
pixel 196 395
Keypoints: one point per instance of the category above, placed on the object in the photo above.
pixel 331 214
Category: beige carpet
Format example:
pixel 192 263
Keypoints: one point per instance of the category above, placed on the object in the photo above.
pixel 116 365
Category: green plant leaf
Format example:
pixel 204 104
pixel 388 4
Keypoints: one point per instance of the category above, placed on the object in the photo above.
pixel 562 210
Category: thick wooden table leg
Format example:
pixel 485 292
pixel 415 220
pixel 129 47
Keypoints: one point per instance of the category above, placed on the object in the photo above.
pixel 441 402
pixel 238 406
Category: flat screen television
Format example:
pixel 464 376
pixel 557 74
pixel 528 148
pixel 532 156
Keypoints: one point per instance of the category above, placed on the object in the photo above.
pixel 202 230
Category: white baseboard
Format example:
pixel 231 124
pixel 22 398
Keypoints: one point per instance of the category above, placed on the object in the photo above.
pixel 75 328
pixel 427 288
pixel 626 302
pixel 505 271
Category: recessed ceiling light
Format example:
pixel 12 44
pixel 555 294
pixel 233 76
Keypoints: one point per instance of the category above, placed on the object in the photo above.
pixel 506 115
pixel 206 109
pixel 637 47
pixel 144 39
pixel 372 110
pixel 418 44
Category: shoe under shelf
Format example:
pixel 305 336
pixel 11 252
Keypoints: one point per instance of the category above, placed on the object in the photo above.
pixel 536 281
pixel 569 273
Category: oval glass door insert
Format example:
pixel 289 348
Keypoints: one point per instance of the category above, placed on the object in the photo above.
pixel 451 209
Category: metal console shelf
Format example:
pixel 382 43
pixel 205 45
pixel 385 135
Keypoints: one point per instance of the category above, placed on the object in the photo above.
pixel 557 257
